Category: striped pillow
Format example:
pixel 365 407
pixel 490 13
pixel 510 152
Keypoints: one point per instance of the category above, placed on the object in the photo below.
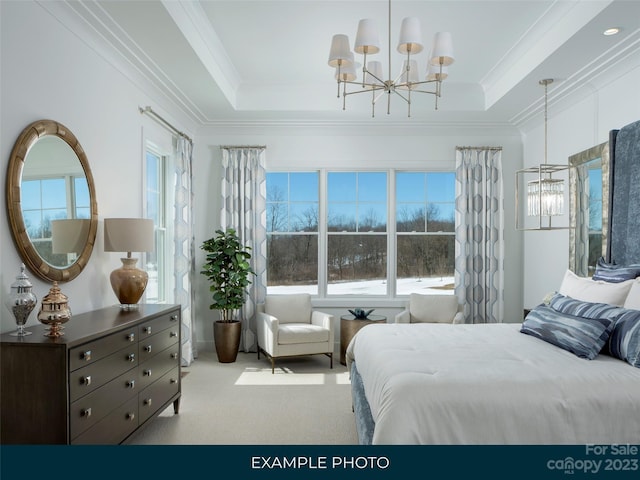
pixel 577 308
pixel 610 272
pixel 581 336
pixel 624 342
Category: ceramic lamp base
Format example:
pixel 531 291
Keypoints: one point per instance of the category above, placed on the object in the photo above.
pixel 129 283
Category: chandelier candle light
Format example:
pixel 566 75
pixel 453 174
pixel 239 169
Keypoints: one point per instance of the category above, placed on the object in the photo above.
pixel 410 43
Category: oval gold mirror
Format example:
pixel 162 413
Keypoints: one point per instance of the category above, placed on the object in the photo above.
pixel 51 201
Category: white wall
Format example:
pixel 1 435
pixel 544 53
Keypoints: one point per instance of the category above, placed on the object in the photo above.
pixel 299 147
pixel 572 129
pixel 47 72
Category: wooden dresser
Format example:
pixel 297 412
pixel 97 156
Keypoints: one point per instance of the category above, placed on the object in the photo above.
pixel 111 372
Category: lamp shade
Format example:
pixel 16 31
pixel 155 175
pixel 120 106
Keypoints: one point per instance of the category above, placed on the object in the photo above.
pixel 128 235
pixel 410 36
pixel 437 72
pixel 374 69
pixel 69 235
pixel 340 53
pixel 410 76
pixel 346 73
pixel 367 37
pixel 442 52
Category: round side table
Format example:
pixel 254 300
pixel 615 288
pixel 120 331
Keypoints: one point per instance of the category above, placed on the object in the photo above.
pixel 349 326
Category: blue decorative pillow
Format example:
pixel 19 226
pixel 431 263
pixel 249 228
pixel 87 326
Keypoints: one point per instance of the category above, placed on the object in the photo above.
pixel 581 336
pixel 624 342
pixel 610 272
pixel 577 308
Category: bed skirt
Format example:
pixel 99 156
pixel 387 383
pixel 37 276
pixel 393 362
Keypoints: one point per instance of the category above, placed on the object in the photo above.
pixel 364 419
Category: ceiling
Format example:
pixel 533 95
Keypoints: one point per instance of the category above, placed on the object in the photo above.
pixel 266 61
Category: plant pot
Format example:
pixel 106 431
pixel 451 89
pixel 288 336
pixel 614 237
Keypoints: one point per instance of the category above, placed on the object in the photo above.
pixel 226 336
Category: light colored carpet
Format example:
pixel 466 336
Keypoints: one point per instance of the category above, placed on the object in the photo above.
pixel 242 403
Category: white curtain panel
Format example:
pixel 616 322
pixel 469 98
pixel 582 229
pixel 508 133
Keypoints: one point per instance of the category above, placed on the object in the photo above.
pixel 184 250
pixel 479 265
pixel 244 193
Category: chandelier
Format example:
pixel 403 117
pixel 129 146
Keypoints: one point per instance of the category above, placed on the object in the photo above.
pixel 408 80
pixel 544 194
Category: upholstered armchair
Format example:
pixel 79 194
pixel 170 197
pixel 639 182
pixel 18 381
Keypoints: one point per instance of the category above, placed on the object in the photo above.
pixel 287 326
pixel 431 309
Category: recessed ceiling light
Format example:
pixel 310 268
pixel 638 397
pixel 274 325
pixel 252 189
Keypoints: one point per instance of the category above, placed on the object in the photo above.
pixel 611 31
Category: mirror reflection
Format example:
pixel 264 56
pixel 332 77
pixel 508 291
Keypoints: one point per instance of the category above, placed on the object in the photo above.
pixel 54 187
pixel 589 193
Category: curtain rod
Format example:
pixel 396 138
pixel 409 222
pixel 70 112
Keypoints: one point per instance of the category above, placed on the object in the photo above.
pixel 478 148
pixel 149 111
pixel 228 147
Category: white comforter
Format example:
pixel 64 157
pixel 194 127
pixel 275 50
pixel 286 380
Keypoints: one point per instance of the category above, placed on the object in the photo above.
pixel 491 384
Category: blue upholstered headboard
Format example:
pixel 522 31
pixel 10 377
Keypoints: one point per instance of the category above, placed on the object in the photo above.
pixel 623 247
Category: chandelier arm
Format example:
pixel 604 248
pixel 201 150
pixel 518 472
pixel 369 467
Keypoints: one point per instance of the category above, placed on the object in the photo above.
pixel 374 88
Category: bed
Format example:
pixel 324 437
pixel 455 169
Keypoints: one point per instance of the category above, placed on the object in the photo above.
pixel 568 374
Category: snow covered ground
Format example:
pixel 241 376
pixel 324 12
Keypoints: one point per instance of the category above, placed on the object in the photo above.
pixel 405 286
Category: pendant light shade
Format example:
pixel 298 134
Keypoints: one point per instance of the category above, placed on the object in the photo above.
pixel 410 36
pixel 442 53
pixel 367 37
pixel 340 52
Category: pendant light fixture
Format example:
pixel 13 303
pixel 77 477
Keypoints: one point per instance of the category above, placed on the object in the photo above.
pixel 544 193
pixel 408 80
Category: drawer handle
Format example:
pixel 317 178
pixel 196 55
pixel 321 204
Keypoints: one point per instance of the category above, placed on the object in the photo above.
pixel 86 381
pixel 131 337
pixel 131 357
pixel 174 318
pixel 86 356
pixel 86 413
pixel 147 373
pixel 173 334
pixel 173 380
pixel 147 402
pixel 131 384
pixel 147 348
pixel 174 355
pixel 131 416
pixel 147 330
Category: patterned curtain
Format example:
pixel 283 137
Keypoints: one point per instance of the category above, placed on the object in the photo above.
pixel 244 209
pixel 479 265
pixel 184 252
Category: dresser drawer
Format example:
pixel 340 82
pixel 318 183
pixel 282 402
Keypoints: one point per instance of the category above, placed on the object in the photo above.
pixel 86 380
pixel 91 408
pixel 93 351
pixel 159 324
pixel 150 347
pixel 113 428
pixel 154 368
pixel 157 394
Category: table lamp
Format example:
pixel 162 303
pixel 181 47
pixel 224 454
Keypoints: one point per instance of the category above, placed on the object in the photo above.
pixel 128 235
pixel 69 235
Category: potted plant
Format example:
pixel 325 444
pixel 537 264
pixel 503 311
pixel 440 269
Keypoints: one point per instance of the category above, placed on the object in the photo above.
pixel 227 268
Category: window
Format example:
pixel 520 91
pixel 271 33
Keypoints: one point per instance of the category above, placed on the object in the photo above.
pixel 292 232
pixel 425 225
pixel 156 209
pixel 356 233
pixel 373 233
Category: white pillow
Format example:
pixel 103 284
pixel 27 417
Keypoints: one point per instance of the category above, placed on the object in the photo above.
pixel 594 291
pixel 633 298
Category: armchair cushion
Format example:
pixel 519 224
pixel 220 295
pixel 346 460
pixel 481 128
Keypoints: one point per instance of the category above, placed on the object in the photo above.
pixel 433 308
pixel 295 308
pixel 293 333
